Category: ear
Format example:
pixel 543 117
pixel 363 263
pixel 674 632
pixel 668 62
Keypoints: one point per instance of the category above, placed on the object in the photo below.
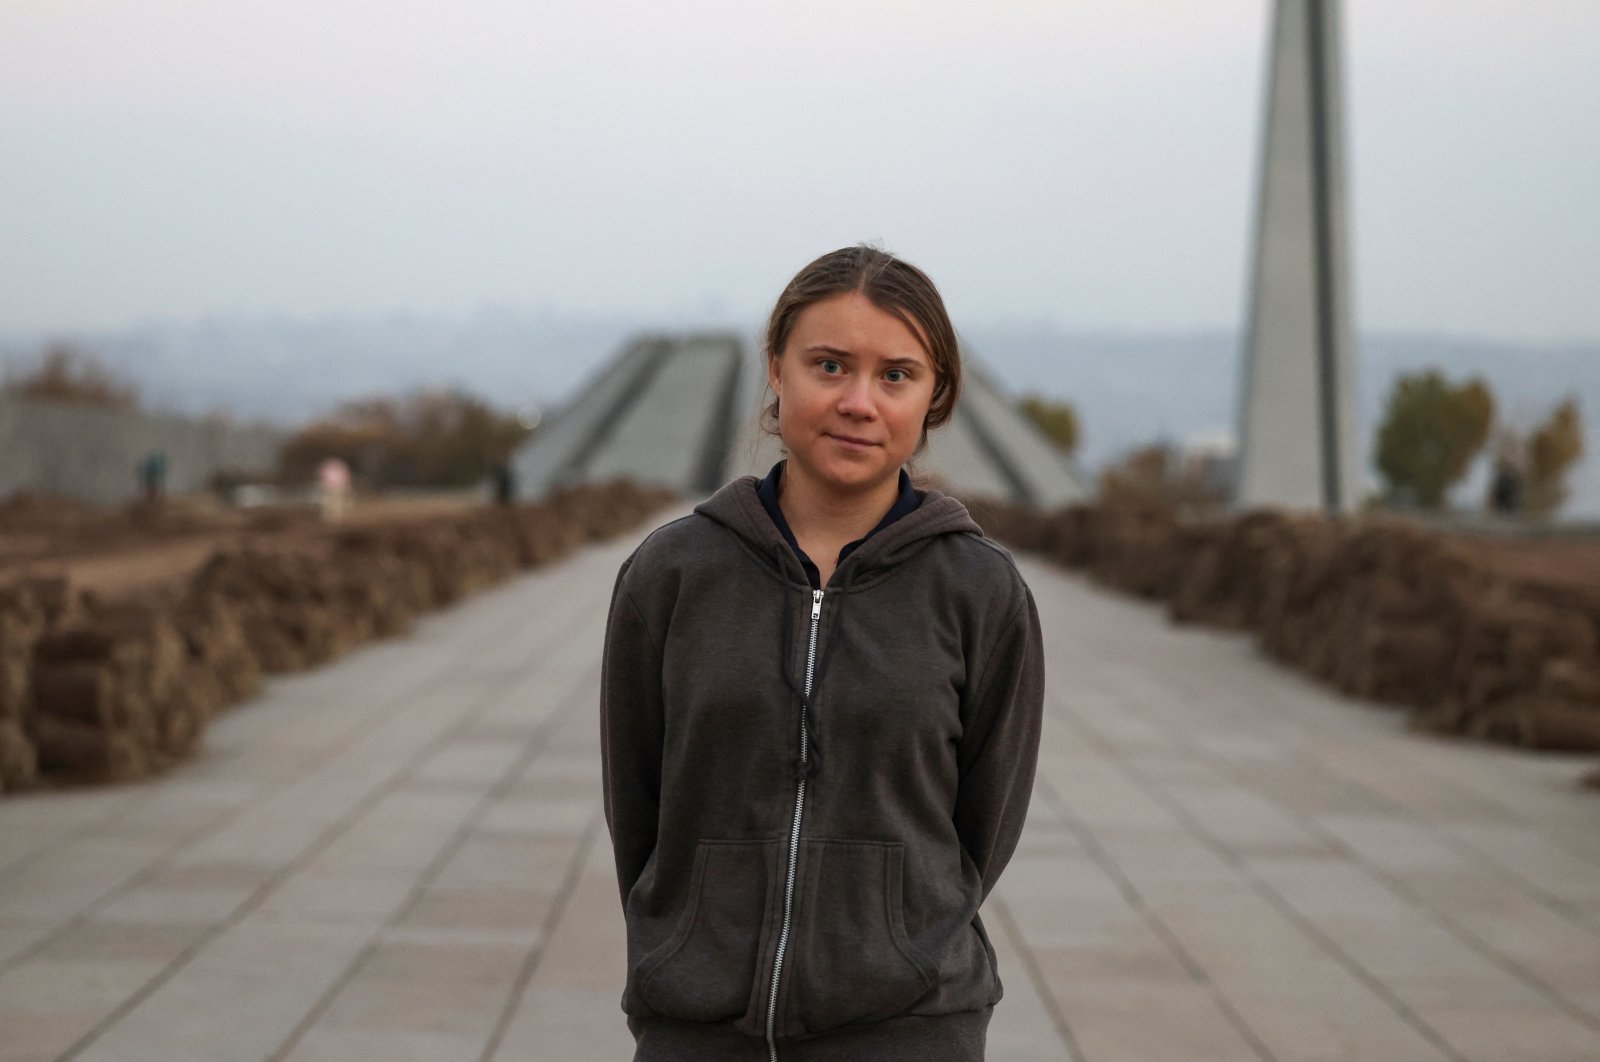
pixel 773 376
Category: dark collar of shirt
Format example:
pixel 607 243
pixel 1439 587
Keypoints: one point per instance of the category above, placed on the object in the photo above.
pixel 767 491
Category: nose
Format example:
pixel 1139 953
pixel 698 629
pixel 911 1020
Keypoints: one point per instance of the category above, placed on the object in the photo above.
pixel 856 399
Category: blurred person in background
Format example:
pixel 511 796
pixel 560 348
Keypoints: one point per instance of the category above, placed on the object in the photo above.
pixel 333 480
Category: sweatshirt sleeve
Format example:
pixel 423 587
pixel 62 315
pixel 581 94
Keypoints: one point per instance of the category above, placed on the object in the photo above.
pixel 1000 744
pixel 630 734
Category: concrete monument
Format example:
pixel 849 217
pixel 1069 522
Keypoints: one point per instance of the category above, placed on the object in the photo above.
pixel 682 412
pixel 1297 430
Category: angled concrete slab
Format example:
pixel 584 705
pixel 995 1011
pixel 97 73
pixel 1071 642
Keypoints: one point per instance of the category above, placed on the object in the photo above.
pixel 683 412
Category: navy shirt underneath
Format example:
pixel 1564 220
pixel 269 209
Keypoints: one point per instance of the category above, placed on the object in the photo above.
pixel 767 491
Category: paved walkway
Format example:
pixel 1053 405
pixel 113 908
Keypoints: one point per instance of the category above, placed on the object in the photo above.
pixel 402 856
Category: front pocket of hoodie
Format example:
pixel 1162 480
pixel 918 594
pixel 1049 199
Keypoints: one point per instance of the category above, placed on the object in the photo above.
pixel 853 961
pixel 706 970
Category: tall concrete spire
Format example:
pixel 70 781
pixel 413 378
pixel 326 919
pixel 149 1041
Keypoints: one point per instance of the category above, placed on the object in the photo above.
pixel 1297 429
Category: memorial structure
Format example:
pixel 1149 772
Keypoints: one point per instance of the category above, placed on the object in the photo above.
pixel 681 412
pixel 1297 433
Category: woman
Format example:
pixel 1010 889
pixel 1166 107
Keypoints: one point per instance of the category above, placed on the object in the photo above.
pixel 820 714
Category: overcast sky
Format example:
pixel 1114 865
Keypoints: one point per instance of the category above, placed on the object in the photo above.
pixel 1088 164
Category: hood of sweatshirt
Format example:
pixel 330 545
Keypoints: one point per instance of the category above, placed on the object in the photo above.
pixel 737 507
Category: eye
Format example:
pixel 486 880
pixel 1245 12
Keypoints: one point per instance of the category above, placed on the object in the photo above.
pixel 897 375
pixel 830 367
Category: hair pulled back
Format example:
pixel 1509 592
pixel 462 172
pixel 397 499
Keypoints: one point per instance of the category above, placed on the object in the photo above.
pixel 893 286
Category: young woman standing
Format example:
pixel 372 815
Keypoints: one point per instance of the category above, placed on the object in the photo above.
pixel 820 715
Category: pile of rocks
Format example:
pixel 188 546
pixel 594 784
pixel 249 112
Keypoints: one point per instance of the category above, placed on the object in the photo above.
pixel 96 692
pixel 1379 607
pixel 113 695
pixel 1135 548
pixel 27 609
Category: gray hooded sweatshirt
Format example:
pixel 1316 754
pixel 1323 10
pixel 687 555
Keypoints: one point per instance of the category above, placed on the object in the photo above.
pixel 811 793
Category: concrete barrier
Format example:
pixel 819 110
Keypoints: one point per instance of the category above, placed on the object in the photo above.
pixel 93 454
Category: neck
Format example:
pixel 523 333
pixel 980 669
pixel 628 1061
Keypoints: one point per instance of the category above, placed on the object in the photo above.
pixel 815 512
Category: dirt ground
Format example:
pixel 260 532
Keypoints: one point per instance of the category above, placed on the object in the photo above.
pixel 117 552
pixel 1542 561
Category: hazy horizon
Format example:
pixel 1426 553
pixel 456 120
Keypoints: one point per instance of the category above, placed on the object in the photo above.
pixel 495 338
pixel 1129 389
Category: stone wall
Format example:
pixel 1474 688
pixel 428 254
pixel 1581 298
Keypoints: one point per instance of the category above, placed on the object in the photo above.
pixel 1463 633
pixel 93 454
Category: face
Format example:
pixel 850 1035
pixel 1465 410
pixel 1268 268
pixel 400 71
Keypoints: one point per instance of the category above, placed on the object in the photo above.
pixel 854 384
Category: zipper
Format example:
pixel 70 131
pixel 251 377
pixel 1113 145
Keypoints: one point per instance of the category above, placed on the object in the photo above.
pixel 794 832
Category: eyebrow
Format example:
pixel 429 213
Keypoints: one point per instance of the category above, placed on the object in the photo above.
pixel 823 348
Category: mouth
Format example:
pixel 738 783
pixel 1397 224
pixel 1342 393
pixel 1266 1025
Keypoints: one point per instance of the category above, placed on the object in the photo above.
pixel 852 442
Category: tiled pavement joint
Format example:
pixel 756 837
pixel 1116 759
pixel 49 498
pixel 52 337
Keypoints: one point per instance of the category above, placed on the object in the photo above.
pixel 1041 984
pixel 1108 864
pixel 1277 900
pixel 1419 901
pixel 440 670
pixel 569 701
pixel 327 837
pixel 530 965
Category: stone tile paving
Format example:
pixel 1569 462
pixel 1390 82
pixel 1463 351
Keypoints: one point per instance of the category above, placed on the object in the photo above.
pixel 403 856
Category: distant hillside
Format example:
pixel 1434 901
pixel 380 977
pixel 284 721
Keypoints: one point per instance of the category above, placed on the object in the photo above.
pixel 1130 389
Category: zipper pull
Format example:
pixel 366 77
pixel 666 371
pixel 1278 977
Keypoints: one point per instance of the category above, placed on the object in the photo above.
pixel 816 603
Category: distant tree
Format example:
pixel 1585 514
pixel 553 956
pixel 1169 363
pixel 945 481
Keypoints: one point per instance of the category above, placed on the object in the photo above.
pixel 1163 476
pixel 430 438
pixel 1430 433
pixel 458 438
pixel 1140 476
pixel 1057 420
pixel 1552 450
pixel 66 373
pixel 370 451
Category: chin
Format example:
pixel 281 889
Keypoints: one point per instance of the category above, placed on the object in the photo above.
pixel 854 475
